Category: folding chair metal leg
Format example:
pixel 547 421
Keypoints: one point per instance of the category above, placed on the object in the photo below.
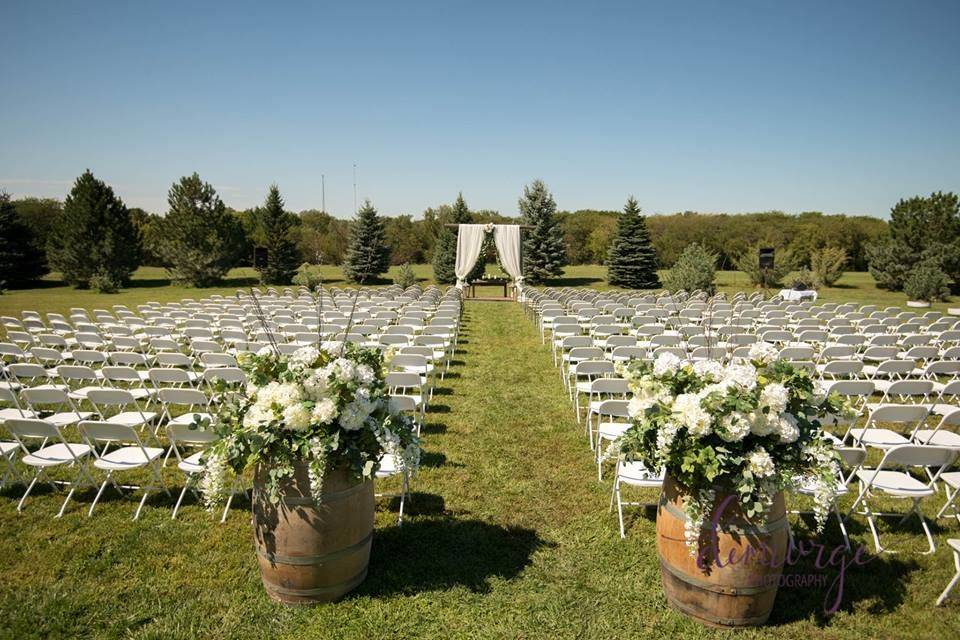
pixel 176 507
pixel 96 499
pixel 403 496
pixel 63 507
pixel 27 492
pixel 951 498
pixel 956 578
pixel 623 533
pixel 926 530
pixel 146 492
pixel 843 527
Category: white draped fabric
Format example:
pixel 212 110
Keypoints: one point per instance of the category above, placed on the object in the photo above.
pixel 469 242
pixel 507 239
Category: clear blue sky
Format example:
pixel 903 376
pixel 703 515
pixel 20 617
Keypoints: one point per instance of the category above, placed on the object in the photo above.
pixel 710 106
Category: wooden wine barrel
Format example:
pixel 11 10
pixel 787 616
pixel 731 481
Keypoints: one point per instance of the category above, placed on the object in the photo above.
pixel 313 552
pixel 728 595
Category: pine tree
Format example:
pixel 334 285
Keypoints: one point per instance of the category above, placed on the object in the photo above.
pixel 199 239
pixel 631 259
pixel 21 260
pixel 544 250
pixel 94 242
pixel 368 255
pixel 445 251
pixel 283 257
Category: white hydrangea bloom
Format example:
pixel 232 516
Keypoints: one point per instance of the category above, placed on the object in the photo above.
pixel 666 364
pixel 743 376
pixel 296 417
pixel 760 464
pixel 690 414
pixel 257 415
pixel 775 396
pixel 324 411
pixel 365 374
pixel 343 369
pixel 304 356
pixel 788 428
pixel 263 352
pixel 734 427
pixel 759 425
pixel 763 352
pixel 710 369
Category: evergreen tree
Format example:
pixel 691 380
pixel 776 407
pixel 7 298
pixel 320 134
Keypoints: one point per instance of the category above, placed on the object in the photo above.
pixel 367 255
pixel 445 251
pixel 199 239
pixel 94 242
pixel 922 230
pixel 283 257
pixel 544 250
pixel 631 259
pixel 21 260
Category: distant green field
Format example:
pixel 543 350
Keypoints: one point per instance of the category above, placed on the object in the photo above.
pixel 153 284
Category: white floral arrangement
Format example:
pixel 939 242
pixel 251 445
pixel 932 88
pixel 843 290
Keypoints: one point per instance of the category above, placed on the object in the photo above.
pixel 328 409
pixel 751 428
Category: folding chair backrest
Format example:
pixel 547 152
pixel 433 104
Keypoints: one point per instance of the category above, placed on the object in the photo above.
pixel 614 408
pixel 905 413
pixel 114 397
pixel 191 397
pixel 230 375
pixel 31 428
pixel 594 367
pixel 43 397
pixel 910 455
pixel 161 375
pixel 97 431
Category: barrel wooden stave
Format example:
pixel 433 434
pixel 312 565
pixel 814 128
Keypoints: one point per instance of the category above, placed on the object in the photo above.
pixel 737 594
pixel 310 553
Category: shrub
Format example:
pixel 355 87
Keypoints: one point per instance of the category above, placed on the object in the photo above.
pixel 927 282
pixel 803 280
pixel 631 260
pixel 749 263
pixel 405 276
pixel 308 275
pixel 696 268
pixel 827 265
pixel 368 255
pixel 104 282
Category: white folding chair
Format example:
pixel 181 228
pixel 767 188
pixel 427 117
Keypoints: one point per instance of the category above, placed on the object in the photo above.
pixel 633 474
pixel 389 467
pixel 181 437
pixel 907 416
pixel 60 453
pixel 899 484
pixel 954 545
pixel 53 405
pixel 132 455
pixel 128 410
pixel 852 458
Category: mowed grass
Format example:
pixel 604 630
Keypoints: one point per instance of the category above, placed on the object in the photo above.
pixel 508 535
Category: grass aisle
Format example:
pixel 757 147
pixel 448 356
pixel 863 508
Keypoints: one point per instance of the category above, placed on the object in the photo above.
pixel 508 536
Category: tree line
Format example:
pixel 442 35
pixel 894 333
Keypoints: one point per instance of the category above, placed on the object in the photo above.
pixel 93 239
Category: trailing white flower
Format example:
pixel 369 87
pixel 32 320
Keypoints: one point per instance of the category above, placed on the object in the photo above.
pixel 215 480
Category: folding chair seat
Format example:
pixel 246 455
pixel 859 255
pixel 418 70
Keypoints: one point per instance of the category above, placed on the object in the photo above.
pixel 908 416
pixel 130 455
pixel 53 406
pixel 941 435
pixel 59 453
pixel 105 400
pixel 888 480
pixel 633 474
pixel 8 396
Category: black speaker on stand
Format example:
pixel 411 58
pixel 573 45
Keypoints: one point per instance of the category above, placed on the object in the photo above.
pixel 766 266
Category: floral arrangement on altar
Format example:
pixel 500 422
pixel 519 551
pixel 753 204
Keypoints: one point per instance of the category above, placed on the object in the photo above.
pixel 751 427
pixel 325 409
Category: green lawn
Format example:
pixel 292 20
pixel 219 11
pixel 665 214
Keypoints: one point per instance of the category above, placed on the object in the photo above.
pixel 508 534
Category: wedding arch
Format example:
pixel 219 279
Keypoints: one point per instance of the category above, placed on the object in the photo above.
pixel 506 237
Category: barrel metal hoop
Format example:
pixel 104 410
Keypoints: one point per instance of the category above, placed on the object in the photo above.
pixel 716 588
pixel 345 586
pixel 332 496
pixel 274 558
pixel 770 527
pixel 697 612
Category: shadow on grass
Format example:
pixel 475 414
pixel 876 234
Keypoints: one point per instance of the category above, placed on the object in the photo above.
pixel 435 459
pixel 445 553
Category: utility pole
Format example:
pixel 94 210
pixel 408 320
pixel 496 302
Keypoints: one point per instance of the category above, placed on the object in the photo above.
pixel 354 188
pixel 323 193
